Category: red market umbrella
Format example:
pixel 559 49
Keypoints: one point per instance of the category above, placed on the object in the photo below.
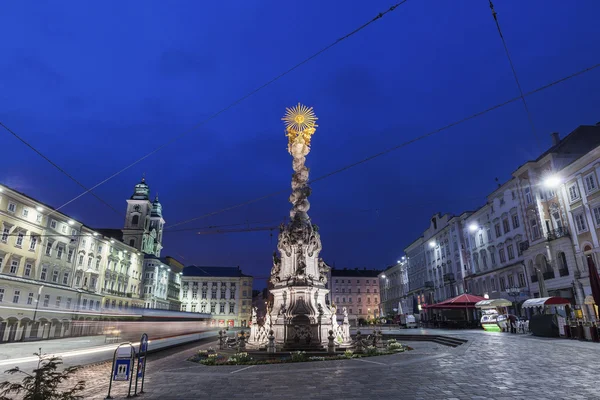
pixel 594 280
pixel 462 301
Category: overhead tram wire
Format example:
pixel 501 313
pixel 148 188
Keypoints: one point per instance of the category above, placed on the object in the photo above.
pixel 337 214
pixel 238 101
pixel 514 71
pixel 71 177
pixel 389 150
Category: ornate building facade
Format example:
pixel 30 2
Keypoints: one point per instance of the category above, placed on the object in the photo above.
pixel 223 292
pixel 532 238
pixel 393 289
pixel 357 290
pixel 59 277
pixel 495 241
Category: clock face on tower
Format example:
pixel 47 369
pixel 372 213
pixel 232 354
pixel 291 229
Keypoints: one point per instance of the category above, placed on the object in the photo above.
pixel 136 208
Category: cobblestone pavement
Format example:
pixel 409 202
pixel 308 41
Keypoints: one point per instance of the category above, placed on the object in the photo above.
pixel 490 366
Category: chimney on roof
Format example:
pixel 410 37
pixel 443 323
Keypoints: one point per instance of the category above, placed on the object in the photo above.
pixel 555 138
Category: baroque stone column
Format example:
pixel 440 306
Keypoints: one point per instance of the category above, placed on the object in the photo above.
pixel 299 315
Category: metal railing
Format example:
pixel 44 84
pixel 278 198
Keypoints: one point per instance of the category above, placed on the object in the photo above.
pixel 557 233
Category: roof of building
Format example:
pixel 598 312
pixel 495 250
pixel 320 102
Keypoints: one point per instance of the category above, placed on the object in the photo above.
pixel 111 233
pixel 357 273
pixel 579 142
pixel 175 265
pixel 220 272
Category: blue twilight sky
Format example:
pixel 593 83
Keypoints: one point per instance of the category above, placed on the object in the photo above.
pixel 96 85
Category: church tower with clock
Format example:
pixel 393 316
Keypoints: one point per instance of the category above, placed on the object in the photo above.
pixel 144 222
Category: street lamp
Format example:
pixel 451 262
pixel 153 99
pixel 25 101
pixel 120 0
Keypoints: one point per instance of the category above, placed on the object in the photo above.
pixel 552 181
pixel 514 292
pixel 432 244
pixel 37 304
pixel 473 227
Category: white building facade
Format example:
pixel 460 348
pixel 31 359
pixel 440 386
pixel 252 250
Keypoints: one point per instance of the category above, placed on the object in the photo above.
pixel 393 289
pixel 445 258
pixel 358 291
pixel 577 192
pixel 223 292
pixel 495 241
pixel 59 277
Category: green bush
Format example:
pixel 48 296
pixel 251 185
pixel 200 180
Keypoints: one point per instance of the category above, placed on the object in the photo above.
pixel 348 354
pixel 371 351
pixel 210 360
pixel 239 358
pixel 395 346
pixel 316 358
pixel 299 356
pixel 43 383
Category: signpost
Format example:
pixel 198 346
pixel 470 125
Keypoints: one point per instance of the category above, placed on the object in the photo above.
pixel 141 363
pixel 122 366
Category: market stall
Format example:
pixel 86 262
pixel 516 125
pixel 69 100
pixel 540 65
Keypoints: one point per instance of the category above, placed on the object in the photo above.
pixel 491 309
pixel 549 322
pixel 456 312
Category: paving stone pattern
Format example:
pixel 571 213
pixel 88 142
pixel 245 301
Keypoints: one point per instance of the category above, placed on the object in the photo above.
pixel 490 366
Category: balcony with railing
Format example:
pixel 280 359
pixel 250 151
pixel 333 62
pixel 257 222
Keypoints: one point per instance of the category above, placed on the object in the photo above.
pixel 563 272
pixel 523 246
pixel 116 293
pixel 557 234
pixel 429 284
pixel 449 277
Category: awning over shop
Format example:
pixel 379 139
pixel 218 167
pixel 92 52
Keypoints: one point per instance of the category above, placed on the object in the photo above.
pixel 462 301
pixel 545 301
pixel 493 303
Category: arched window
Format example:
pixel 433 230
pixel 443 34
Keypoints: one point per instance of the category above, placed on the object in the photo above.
pixel 132 242
pixel 135 220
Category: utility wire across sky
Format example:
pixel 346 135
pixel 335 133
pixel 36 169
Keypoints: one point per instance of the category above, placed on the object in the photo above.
pixel 514 71
pixel 389 150
pixel 193 128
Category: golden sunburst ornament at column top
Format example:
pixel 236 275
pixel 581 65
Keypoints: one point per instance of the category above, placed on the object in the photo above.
pixel 299 118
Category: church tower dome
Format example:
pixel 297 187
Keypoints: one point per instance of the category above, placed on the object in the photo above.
pixel 141 191
pixel 156 208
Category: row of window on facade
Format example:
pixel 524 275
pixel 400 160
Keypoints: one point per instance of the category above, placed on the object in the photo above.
pixel 502 254
pixel 349 281
pixel 213 293
pixel 500 230
pixel 213 307
pixel 12 208
pixel 343 290
pixel 214 284
pixel 60 251
pixel 58 302
pixel 359 300
pixel 504 282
